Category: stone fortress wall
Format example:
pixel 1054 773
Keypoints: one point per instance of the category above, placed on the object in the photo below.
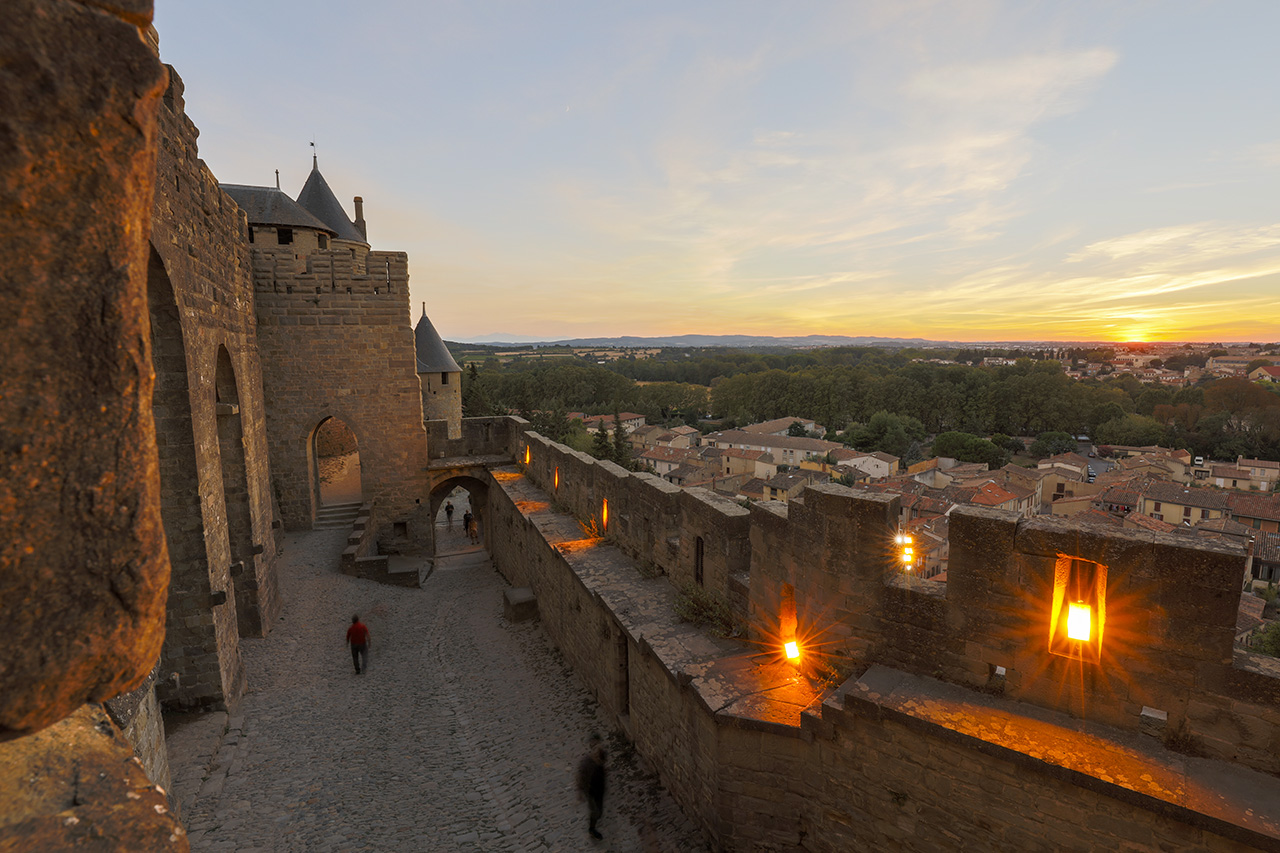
pixel 84 570
pixel 927 746
pixel 441 400
pixel 209 404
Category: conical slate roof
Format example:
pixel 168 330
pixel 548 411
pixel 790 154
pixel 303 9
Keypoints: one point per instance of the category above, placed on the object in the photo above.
pixel 270 206
pixel 433 355
pixel 320 200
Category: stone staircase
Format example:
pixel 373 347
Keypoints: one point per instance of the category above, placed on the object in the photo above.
pixel 334 516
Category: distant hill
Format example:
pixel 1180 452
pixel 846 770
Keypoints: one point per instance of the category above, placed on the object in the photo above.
pixel 803 342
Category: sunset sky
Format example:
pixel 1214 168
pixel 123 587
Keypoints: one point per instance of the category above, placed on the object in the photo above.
pixel 962 170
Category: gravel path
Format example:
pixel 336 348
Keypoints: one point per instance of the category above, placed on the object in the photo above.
pixel 463 733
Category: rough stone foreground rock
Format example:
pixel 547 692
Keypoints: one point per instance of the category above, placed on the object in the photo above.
pixel 83 569
pixel 76 785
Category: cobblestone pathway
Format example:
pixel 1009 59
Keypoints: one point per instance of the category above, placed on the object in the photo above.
pixel 463 734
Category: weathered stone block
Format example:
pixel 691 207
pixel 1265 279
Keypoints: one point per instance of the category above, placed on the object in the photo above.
pixel 83 577
pixel 519 604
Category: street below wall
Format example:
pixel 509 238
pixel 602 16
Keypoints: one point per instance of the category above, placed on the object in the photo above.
pixel 462 735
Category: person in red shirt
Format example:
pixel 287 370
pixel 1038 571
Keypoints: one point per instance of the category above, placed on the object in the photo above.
pixel 358 639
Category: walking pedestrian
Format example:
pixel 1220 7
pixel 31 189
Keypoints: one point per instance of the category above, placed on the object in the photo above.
pixel 358 639
pixel 448 513
pixel 591 783
pixel 467 520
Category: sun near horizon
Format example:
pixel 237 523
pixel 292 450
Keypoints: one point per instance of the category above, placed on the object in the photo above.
pixel 955 171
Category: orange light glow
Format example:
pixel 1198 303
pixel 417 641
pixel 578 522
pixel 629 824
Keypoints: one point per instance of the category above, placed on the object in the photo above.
pixel 556 480
pixel 1079 621
pixel 906 551
pixel 604 515
pixel 792 648
pixel 527 454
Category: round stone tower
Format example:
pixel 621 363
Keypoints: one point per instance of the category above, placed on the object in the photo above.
pixel 440 376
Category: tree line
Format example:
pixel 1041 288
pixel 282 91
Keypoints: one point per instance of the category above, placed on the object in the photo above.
pixel 882 400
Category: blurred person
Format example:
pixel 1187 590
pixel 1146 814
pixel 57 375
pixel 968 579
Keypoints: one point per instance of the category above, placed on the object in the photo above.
pixel 358 639
pixel 591 783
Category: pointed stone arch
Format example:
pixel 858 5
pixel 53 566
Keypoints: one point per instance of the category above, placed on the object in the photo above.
pixel 235 491
pixel 208 668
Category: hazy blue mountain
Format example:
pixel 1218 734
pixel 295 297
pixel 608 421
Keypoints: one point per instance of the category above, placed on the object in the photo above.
pixel 804 341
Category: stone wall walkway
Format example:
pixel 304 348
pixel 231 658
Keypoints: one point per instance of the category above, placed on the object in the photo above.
pixel 462 735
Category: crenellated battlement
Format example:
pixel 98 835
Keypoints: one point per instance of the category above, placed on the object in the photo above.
pixel 941 715
pixel 1161 659
pixel 280 270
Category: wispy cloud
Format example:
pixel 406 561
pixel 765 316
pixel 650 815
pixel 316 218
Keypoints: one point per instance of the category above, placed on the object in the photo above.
pixel 1183 244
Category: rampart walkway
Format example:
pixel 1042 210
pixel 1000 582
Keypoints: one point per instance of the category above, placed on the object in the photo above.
pixel 463 734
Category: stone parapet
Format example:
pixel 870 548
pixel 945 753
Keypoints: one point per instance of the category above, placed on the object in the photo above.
pixel 765 758
pixel 77 785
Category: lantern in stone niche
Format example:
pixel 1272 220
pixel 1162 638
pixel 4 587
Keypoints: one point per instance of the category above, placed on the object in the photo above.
pixel 787 624
pixel 604 515
pixel 906 550
pixel 528 454
pixel 1079 608
pixel 555 480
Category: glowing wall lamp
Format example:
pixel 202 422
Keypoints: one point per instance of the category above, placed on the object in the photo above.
pixel 1079 621
pixel 792 650
pixel 604 516
pixel 527 454
pixel 906 550
pixel 555 481
pixel 1079 611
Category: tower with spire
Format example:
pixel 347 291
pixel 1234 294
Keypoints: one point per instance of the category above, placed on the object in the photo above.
pixel 320 202
pixel 314 222
pixel 336 342
pixel 440 376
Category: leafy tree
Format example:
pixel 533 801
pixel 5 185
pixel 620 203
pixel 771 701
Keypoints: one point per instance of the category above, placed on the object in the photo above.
pixel 1109 411
pixel 1133 430
pixel 1182 361
pixel 1236 395
pixel 796 430
pixel 1192 396
pixel 1267 641
pixel 967 447
pixel 552 422
pixel 885 432
pixel 1152 397
pixel 1052 443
